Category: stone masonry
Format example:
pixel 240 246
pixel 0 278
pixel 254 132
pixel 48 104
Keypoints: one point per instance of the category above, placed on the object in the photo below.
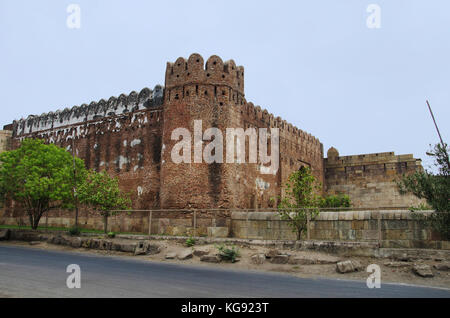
pixel 130 136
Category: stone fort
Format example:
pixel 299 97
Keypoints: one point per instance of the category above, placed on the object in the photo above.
pixel 129 136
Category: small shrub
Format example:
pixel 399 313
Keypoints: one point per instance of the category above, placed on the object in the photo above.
pixel 74 231
pixel 335 201
pixel 420 207
pixel 228 253
pixel 111 235
pixel 190 242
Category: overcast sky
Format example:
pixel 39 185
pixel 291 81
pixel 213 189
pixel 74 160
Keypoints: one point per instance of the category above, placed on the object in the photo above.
pixel 314 63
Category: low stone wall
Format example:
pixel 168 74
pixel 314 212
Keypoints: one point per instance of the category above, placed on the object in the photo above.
pixel 395 229
pixel 179 223
pixel 388 229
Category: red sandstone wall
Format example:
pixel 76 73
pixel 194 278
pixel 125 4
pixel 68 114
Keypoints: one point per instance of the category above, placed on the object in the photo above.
pixel 130 137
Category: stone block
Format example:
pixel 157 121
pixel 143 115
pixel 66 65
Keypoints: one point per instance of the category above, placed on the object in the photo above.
pixel 258 259
pixel 280 259
pixel 210 259
pixel 184 255
pixel 4 234
pixel 218 232
pixel 422 270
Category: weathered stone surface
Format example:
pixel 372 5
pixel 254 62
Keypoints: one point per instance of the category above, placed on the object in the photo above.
pixel 171 255
pixel 280 259
pixel 199 252
pixel 210 259
pixel 422 270
pixel 272 253
pixel 313 260
pixel 141 248
pixel 397 264
pixel 145 247
pixel 348 266
pixel 128 247
pixel 443 267
pixel 258 259
pixel 218 231
pixel 75 242
pixel 184 255
pixel 4 234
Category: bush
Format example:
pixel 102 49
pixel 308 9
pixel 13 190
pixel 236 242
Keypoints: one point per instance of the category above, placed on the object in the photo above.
pixel 420 207
pixel 111 235
pixel 335 201
pixel 190 242
pixel 74 231
pixel 228 253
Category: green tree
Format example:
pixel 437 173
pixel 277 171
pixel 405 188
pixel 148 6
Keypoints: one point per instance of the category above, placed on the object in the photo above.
pixel 301 200
pixel 40 178
pixel 102 193
pixel 434 188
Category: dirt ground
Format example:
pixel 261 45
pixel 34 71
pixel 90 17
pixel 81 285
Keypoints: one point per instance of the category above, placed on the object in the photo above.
pixel 402 275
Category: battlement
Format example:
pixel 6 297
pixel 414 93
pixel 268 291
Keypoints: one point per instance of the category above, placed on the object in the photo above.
pixel 287 130
pixel 214 72
pixel 123 104
pixel 334 160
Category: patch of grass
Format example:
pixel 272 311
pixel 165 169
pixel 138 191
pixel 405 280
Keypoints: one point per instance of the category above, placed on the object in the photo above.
pixel 228 253
pixel 49 228
pixel 190 242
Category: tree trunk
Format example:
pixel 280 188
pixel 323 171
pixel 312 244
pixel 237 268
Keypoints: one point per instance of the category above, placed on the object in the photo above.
pixel 37 218
pixel 30 215
pixel 299 234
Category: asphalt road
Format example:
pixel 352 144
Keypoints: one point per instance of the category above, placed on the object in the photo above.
pixel 28 272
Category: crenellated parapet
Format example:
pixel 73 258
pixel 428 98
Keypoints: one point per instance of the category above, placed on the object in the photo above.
pixel 145 99
pixel 215 72
pixel 287 130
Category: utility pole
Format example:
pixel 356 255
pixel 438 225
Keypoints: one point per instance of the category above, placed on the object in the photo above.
pixel 439 133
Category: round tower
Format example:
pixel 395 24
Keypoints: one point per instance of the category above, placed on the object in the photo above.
pixel 198 96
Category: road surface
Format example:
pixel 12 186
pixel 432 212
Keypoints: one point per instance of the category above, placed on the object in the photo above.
pixel 29 272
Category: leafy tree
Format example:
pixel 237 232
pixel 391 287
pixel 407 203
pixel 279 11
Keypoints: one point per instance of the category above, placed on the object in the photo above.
pixel 434 188
pixel 335 201
pixel 102 193
pixel 39 177
pixel 300 199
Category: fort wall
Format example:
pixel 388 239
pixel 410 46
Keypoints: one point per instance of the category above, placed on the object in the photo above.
pixel 130 136
pixel 369 180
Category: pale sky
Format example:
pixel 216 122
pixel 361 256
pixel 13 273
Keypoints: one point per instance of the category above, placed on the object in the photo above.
pixel 314 63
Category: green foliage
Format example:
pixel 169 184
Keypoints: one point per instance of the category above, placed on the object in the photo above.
pixel 335 201
pixel 39 177
pixel 102 193
pixel 228 253
pixel 301 199
pixel 434 188
pixel 74 231
pixel 420 207
pixel 111 235
pixel 190 242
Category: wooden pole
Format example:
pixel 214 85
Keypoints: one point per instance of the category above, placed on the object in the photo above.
pixel 150 223
pixel 439 133
pixel 195 223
